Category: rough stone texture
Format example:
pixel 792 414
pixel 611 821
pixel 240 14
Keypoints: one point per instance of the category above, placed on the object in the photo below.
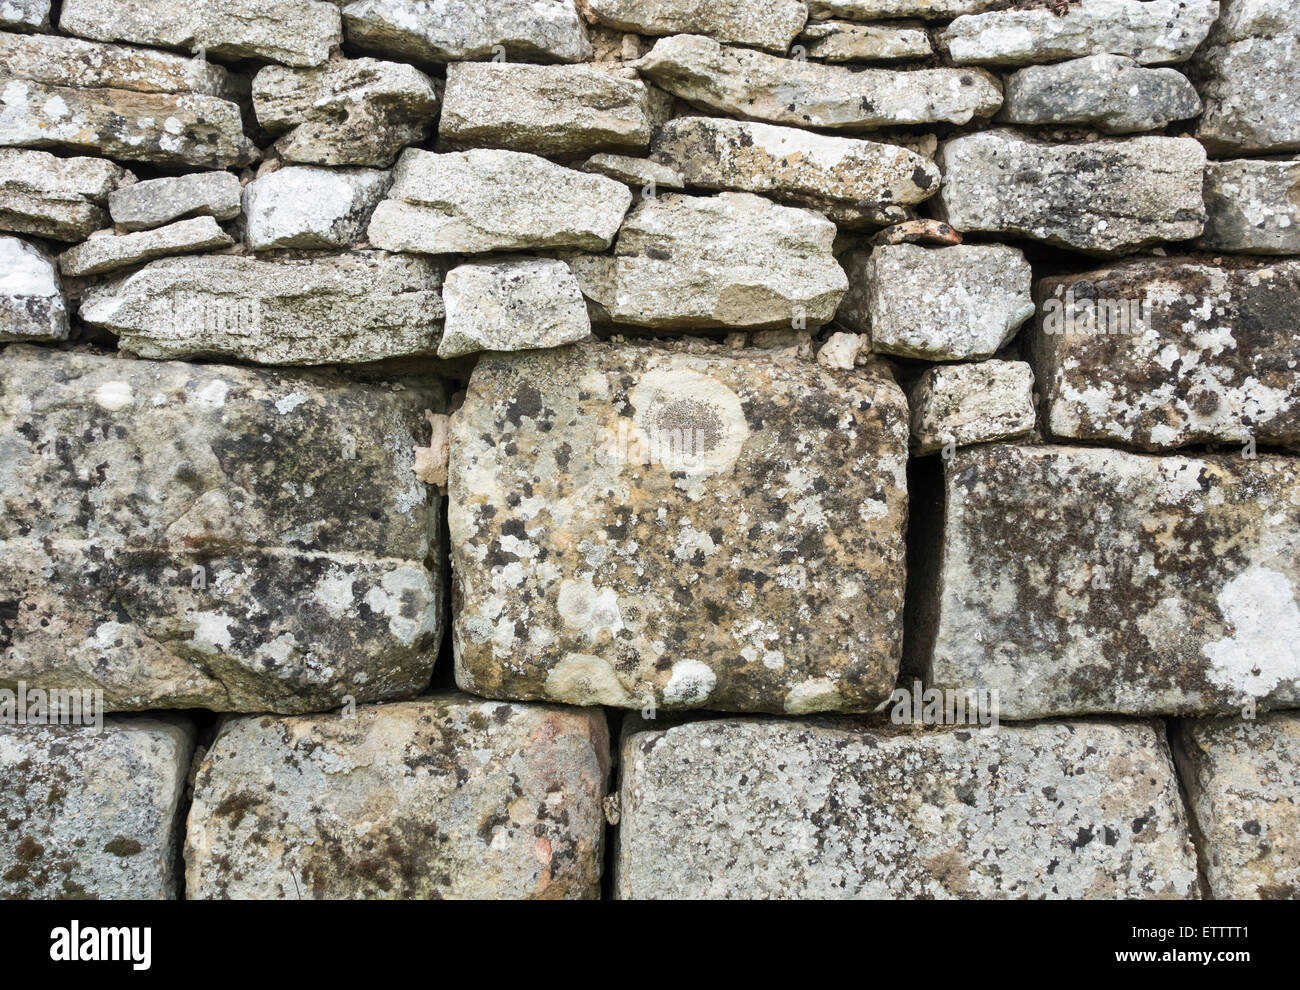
pixel 25 15
pixel 58 198
pixel 1252 207
pixel 1241 784
pixel 844 41
pixel 754 85
pixel 164 548
pixel 937 304
pixel 641 172
pixel 295 32
pixel 855 182
pixel 110 251
pixel 340 309
pixel 962 404
pixel 543 30
pixel 513 304
pixel 298 207
pixel 471 202
pixel 1149 31
pixel 93 815
pixel 155 202
pixel 1111 92
pixel 120 102
pixel 1211 355
pixel 31 298
pixel 777 809
pixel 869 10
pixel 771 24
pixel 731 260
pixel 1170 586
pixel 546 109
pixel 1112 196
pixel 674 541
pixel 445 797
pixel 1250 73
pixel 354 112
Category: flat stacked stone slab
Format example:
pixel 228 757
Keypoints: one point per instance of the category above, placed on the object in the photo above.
pixel 1252 207
pixel 348 308
pixel 869 10
pixel 1165 353
pixel 25 15
pixel 445 797
pixel 764 809
pixel 636 526
pixel 844 41
pixel 512 304
pixel 980 402
pixel 32 306
pixel 61 199
pixel 771 25
pixel 155 202
pixel 1241 785
pixel 1171 586
pixel 110 251
pixel 90 813
pixel 1106 197
pixel 210 536
pixel 301 207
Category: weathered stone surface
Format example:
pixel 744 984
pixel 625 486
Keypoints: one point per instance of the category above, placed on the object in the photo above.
pixel 445 797
pixel 771 25
pixel 546 109
pixel 354 112
pixel 295 32
pixel 117 101
pixel 962 404
pixel 1252 207
pixel 155 202
pixel 1241 784
pixel 844 41
pixel 1164 353
pixel 513 304
pixel 545 30
pixel 751 84
pixel 1170 588
pixel 674 542
pixel 109 251
pixel 212 536
pixel 937 304
pixel 93 815
pixel 1112 196
pixel 854 182
pixel 1149 31
pixel 1112 92
pixel 869 10
pixel 477 201
pixel 1250 71
pixel 341 309
pixel 825 809
pixel 640 172
pixel 31 298
pixel 299 207
pixel 25 15
pixel 731 260
pixel 58 198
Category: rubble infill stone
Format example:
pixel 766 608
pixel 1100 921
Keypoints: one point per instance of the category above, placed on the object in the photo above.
pixel 545 109
pixel 770 25
pixel 1241 785
pixel 348 308
pixel 155 202
pixel 295 32
pixel 489 200
pixel 446 797
pixel 110 251
pixel 1112 196
pixel 854 181
pixel 767 809
pixel 32 306
pixel 674 544
pixel 754 85
pixel 1252 207
pixel 210 536
pixel 1149 31
pixel 94 814
pixel 1171 587
pixel 980 402
pixel 301 207
pixel 1165 353
pixel 61 199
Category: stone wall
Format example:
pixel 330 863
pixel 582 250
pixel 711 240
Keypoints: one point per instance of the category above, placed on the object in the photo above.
pixel 649 448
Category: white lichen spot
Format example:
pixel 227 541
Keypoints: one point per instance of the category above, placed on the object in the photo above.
pixel 580 679
pixel 1259 606
pixel 691 683
pixel 290 402
pixel 113 396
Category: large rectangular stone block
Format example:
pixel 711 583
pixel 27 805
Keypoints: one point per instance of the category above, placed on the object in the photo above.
pixel 635 525
pixel 208 536
pixel 836 809
pixel 1081 580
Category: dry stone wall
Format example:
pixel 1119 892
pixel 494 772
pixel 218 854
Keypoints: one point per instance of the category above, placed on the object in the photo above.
pixel 553 449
